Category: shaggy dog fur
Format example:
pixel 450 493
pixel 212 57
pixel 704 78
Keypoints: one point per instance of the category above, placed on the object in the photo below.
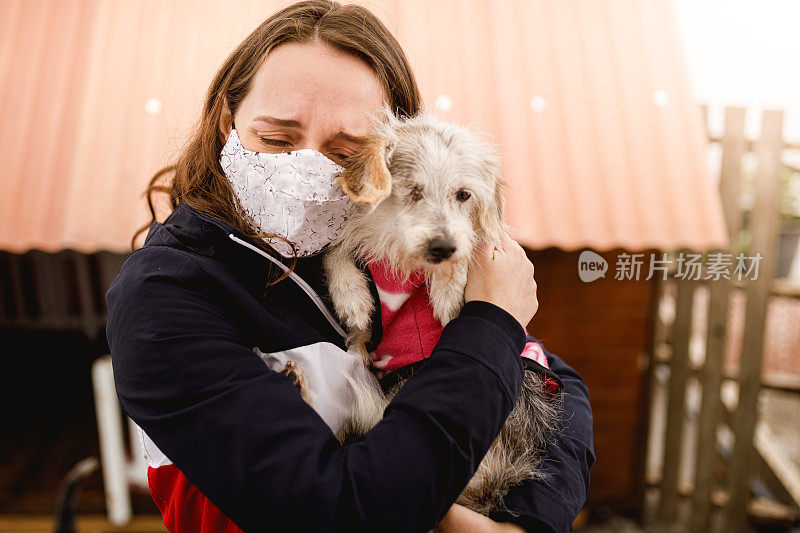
pixel 427 193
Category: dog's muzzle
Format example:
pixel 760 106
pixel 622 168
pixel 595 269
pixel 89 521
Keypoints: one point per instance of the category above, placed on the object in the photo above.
pixel 440 248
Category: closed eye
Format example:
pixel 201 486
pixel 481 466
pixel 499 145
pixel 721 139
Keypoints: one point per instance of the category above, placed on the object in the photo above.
pixel 274 142
pixel 279 142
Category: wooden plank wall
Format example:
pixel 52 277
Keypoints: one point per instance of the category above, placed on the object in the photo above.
pixel 59 292
pixel 603 330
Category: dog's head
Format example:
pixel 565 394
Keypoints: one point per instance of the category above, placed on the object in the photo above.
pixel 427 191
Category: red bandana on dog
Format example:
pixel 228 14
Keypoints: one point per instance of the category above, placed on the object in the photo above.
pixel 410 331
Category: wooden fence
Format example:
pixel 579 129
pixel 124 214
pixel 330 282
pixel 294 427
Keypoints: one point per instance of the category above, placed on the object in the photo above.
pixel 712 461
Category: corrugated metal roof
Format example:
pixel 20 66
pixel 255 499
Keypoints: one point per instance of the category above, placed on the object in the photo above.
pixel 603 145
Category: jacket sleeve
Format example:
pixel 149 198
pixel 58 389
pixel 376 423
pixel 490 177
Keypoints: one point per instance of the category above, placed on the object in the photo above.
pixel 243 436
pixel 552 504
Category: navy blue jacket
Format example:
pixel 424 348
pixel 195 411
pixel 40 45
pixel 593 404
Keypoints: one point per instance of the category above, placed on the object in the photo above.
pixel 185 314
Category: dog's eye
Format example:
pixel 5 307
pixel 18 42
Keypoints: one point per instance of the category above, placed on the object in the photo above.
pixel 463 195
pixel 416 193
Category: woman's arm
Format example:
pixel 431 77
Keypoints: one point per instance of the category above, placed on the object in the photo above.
pixel 243 436
pixel 553 503
pixel 460 519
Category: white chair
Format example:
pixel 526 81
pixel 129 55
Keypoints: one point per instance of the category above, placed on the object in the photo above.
pixel 121 469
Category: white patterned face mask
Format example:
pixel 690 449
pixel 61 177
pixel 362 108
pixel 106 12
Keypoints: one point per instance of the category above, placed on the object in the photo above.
pixel 293 194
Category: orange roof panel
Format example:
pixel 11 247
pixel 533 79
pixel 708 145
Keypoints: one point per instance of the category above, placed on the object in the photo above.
pixel 590 101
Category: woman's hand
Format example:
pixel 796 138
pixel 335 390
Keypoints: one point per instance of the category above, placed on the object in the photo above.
pixel 504 277
pixel 459 519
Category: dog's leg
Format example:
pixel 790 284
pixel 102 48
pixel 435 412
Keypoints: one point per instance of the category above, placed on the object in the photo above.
pixel 447 292
pixel 348 287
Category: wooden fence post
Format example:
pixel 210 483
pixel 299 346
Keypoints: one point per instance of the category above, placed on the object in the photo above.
pixel 733 148
pixel 676 406
pixel 763 227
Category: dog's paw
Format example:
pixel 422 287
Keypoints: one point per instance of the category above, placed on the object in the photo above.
pixel 295 375
pixel 357 340
pixel 348 288
pixel 355 308
pixel 447 293
pixel 448 310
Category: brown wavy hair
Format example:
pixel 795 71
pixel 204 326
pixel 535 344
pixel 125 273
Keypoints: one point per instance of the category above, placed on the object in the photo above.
pixel 197 177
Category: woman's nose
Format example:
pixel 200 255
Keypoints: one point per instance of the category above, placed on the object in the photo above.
pixel 316 147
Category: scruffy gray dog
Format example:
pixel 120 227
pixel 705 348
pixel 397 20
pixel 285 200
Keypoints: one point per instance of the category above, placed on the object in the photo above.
pixel 427 193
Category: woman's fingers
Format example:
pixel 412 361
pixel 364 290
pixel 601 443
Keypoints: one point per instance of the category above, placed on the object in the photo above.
pixel 504 278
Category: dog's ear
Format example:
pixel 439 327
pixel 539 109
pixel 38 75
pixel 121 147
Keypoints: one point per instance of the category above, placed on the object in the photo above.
pixel 490 217
pixel 490 214
pixel 366 179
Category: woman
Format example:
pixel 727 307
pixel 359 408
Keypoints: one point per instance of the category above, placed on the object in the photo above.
pixel 196 313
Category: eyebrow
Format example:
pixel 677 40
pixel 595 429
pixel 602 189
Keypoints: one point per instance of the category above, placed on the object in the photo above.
pixel 291 123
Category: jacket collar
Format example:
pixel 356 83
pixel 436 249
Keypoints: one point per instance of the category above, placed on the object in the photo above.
pixel 197 232
pixel 194 231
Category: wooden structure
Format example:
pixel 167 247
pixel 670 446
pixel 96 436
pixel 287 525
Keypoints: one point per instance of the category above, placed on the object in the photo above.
pixel 603 330
pixel 63 291
pixel 715 448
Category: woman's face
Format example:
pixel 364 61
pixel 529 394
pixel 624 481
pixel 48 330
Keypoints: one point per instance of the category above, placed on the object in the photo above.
pixel 308 96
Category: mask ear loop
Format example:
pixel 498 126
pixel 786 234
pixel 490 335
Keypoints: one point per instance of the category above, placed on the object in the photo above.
pixel 300 281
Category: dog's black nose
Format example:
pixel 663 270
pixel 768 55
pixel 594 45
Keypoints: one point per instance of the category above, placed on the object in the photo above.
pixel 440 248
